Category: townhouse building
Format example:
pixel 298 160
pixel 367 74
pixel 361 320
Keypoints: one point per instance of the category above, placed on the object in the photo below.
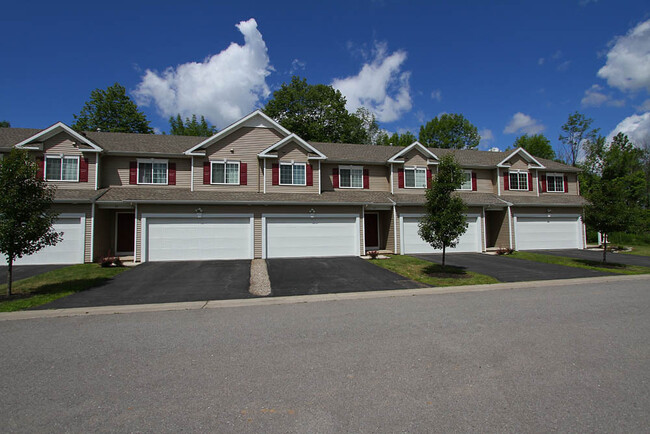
pixel 256 190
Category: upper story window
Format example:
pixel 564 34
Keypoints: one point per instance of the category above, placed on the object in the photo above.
pixel 351 176
pixel 225 172
pixel 415 177
pixel 61 168
pixel 467 180
pixel 555 183
pixel 519 181
pixel 292 173
pixel 152 172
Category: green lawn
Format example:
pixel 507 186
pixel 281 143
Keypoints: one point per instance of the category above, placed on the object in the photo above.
pixel 431 274
pixel 47 287
pixel 582 263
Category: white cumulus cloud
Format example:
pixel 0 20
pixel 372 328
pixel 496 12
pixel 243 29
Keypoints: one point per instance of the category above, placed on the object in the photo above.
pixel 223 87
pixel 595 97
pixel 380 86
pixel 636 127
pixel 522 123
pixel 628 60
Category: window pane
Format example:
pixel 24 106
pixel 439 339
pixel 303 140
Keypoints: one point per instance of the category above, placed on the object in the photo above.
pixel 409 177
pixel 144 173
pixel 550 183
pixel 69 172
pixel 299 174
pixel 357 178
pixel 232 173
pixel 514 181
pixel 555 183
pixel 467 181
pixel 53 169
pixel 421 178
pixel 523 181
pixel 285 174
pixel 344 178
pixel 218 173
pixel 159 173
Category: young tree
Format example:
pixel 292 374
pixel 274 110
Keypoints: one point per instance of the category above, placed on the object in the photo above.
pixel 397 139
pixel 315 112
pixel 5 124
pixel 191 127
pixel 577 135
pixel 450 131
pixel 537 145
pixel 444 220
pixel 374 134
pixel 26 214
pixel 111 110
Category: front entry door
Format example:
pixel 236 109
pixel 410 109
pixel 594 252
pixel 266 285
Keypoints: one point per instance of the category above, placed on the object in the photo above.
pixel 125 233
pixel 371 230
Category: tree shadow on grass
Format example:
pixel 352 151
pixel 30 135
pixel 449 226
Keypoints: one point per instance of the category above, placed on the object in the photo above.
pixel 611 265
pixel 448 271
pixel 72 286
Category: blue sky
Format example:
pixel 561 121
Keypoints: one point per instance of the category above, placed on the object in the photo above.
pixel 509 67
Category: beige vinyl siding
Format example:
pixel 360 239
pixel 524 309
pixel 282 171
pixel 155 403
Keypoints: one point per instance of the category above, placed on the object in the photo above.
pixel 499 221
pixel 518 163
pixel 138 231
pixel 270 188
pixel 64 144
pixel 378 177
pixel 242 145
pixel 115 171
pixel 484 181
pixel 86 210
pixel 390 230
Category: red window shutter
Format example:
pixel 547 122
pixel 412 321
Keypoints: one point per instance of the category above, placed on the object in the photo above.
pixel 506 181
pixel 171 174
pixel 83 169
pixel 206 172
pixel 530 181
pixel 474 186
pixel 400 178
pixel 310 175
pixel 133 172
pixel 335 177
pixel 275 174
pixel 542 184
pixel 366 179
pixel 40 173
pixel 566 184
pixel 428 178
pixel 243 173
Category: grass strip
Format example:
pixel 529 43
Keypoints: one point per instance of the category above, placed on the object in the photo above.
pixel 582 263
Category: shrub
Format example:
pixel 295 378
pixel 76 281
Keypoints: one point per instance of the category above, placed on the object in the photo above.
pixel 373 254
pixel 505 251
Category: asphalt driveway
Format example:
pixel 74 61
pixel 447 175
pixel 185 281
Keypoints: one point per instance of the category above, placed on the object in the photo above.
pixel 302 276
pixel 166 282
pixel 594 255
pixel 25 271
pixel 508 269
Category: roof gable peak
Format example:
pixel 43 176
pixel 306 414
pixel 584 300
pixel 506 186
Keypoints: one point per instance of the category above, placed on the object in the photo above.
pixel 289 139
pixel 53 130
pixel 415 145
pixel 524 154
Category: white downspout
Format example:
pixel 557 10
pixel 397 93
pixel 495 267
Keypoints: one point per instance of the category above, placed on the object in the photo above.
pixel 264 175
pixel 363 230
pixel 96 171
pixel 510 225
pixel 498 182
pixel 320 190
pixel 391 180
pixel 395 228
pixel 92 231
pixel 135 237
pixel 192 175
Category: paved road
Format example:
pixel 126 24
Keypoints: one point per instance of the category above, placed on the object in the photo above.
pixel 592 255
pixel 507 269
pixel 25 271
pixel 570 358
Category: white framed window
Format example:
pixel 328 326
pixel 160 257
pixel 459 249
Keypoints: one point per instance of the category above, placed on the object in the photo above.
pixel 293 173
pixel 415 177
pixel 61 168
pixel 152 172
pixel 351 176
pixel 225 172
pixel 519 181
pixel 467 180
pixel 555 183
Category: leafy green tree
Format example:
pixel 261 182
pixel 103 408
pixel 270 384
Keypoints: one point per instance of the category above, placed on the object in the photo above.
pixel 111 110
pixel 374 134
pixel 444 220
pixel 397 139
pixel 577 134
pixel 190 127
pixel 537 145
pixel 5 124
pixel 315 112
pixel 26 210
pixel 449 131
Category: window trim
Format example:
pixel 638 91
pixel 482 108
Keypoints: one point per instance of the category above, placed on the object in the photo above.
pixel 225 163
pixel 518 173
pixel 351 167
pixel 555 175
pixel 292 164
pixel 467 172
pixel 61 157
pixel 152 161
pixel 415 170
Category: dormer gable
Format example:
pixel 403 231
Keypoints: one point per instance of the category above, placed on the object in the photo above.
pixel 35 142
pixel 520 154
pixel 415 147
pixel 272 151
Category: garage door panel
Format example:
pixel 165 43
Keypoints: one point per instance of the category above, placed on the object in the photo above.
pixel 470 241
pixel 538 233
pixel 194 239
pixel 288 237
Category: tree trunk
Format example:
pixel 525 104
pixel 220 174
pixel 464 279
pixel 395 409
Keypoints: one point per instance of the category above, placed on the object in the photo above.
pixel 604 250
pixel 443 255
pixel 9 275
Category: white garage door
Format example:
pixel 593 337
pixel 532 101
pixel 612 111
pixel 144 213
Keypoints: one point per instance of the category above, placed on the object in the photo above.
pixel 195 239
pixel 533 233
pixel 70 250
pixel 294 237
pixel 470 241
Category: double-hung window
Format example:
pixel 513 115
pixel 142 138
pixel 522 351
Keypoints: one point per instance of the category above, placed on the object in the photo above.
pixel 293 174
pixel 467 180
pixel 152 172
pixel 519 181
pixel 351 176
pixel 555 183
pixel 225 172
pixel 415 177
pixel 61 168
